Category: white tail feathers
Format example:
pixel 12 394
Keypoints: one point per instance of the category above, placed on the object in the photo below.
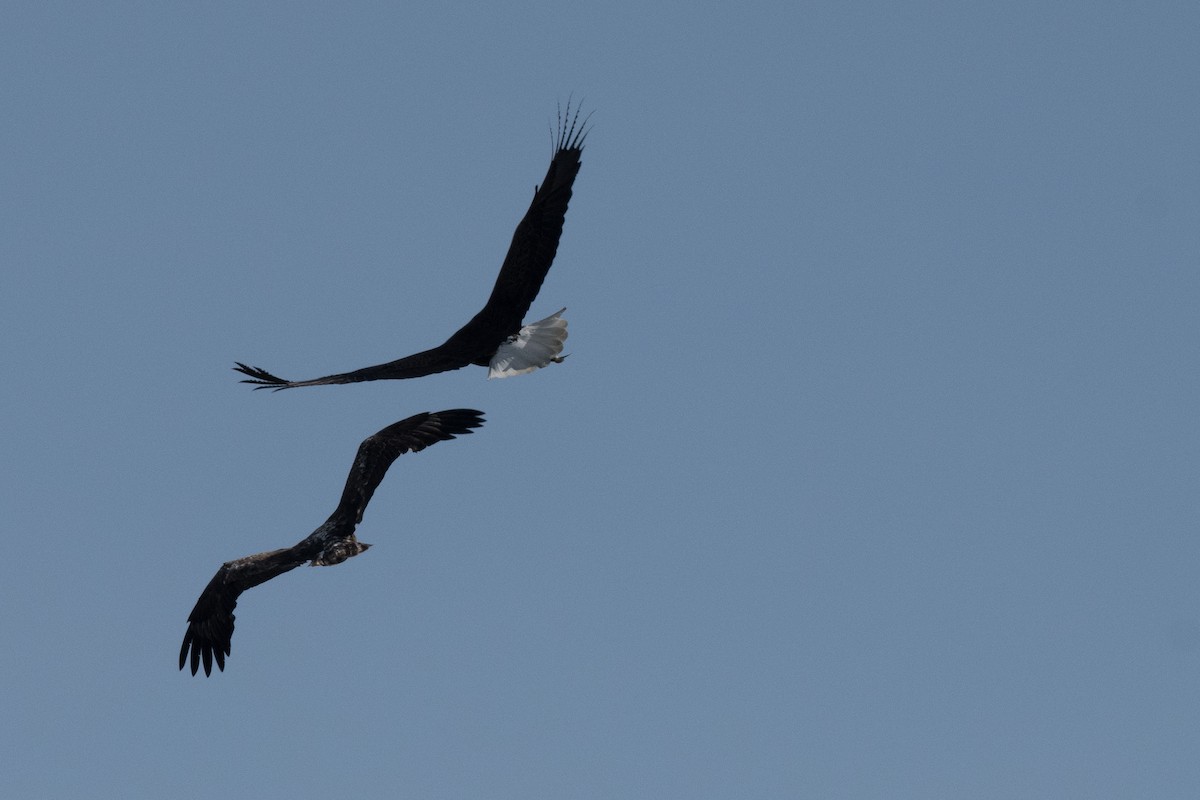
pixel 535 346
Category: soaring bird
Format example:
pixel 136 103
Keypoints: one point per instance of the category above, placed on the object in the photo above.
pixel 210 625
pixel 495 337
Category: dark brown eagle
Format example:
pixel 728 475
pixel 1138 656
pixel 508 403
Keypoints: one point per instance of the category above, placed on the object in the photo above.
pixel 210 625
pixel 495 337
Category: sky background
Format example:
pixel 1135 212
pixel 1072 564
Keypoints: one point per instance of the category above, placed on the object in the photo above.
pixel 872 474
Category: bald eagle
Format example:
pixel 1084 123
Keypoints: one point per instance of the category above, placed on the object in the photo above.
pixel 210 625
pixel 495 337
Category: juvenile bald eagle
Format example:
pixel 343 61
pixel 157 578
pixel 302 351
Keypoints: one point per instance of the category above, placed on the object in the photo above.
pixel 495 337
pixel 210 625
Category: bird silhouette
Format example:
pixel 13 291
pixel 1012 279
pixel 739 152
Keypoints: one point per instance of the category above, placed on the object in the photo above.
pixel 495 337
pixel 210 625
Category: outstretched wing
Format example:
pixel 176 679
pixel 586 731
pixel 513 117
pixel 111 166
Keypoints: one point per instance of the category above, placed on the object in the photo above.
pixel 532 251
pixel 377 452
pixel 534 245
pixel 442 358
pixel 210 625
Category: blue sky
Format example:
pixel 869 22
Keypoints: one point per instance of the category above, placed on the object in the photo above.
pixel 872 473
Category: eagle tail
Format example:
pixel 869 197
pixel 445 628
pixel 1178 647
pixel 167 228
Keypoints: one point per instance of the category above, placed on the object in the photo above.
pixel 533 347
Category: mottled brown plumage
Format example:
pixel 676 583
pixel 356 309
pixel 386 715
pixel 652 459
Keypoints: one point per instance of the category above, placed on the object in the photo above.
pixel 530 255
pixel 210 625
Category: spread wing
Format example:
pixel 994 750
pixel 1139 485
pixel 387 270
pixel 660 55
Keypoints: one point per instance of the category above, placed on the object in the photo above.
pixel 377 453
pixel 534 245
pixel 532 251
pixel 210 625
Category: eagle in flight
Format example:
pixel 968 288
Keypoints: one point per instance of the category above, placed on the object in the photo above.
pixel 495 337
pixel 210 625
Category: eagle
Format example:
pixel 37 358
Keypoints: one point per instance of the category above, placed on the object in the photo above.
pixel 210 625
pixel 495 337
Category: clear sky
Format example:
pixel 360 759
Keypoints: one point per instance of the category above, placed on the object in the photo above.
pixel 872 474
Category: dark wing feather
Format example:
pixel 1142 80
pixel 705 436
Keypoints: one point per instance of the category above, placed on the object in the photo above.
pixel 532 251
pixel 377 453
pixel 427 362
pixel 210 625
